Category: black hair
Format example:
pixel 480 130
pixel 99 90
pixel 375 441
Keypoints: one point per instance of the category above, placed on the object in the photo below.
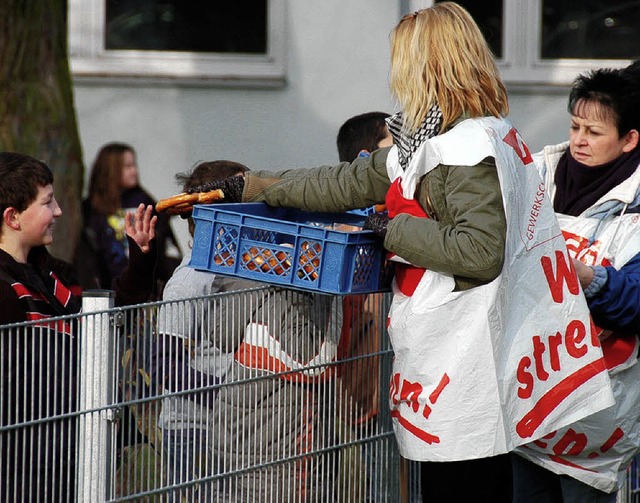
pixel 633 71
pixel 20 178
pixel 361 132
pixel 615 92
pixel 208 171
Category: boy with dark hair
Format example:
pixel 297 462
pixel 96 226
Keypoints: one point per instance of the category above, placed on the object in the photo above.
pixel 38 363
pixel 366 132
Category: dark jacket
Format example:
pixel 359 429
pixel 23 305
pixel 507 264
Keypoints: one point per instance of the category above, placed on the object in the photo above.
pixel 102 255
pixel 38 371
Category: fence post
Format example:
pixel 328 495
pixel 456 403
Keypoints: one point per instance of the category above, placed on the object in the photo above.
pixel 96 385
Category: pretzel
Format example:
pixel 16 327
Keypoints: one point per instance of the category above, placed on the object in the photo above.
pixel 182 203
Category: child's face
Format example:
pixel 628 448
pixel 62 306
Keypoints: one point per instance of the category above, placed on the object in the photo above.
pixel 38 220
pixel 129 171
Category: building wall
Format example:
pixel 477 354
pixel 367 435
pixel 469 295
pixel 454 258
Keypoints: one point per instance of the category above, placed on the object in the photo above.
pixel 337 66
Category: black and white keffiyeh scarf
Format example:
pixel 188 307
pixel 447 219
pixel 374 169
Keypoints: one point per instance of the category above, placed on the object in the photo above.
pixel 408 144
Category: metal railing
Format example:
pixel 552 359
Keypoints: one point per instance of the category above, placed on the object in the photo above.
pixel 263 395
pixel 260 395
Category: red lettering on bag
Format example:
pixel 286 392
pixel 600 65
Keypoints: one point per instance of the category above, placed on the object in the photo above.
pixel 565 273
pixel 576 333
pixel 579 441
pixel 395 389
pixel 579 248
pixel 530 422
pixel 409 393
pixel 542 444
pixel 572 443
pixel 515 141
pixel 525 378
pixel 574 344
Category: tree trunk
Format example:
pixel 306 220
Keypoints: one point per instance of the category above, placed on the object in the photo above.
pixel 37 114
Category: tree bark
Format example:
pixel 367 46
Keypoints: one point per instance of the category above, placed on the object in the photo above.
pixel 37 114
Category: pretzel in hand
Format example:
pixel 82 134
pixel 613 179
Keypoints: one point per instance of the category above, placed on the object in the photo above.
pixel 183 203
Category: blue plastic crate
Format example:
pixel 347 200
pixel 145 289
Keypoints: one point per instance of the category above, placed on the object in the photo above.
pixel 288 247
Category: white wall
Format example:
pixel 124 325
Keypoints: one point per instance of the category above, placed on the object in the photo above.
pixel 337 66
pixel 338 59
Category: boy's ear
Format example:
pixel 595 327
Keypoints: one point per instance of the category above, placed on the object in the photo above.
pixel 631 140
pixel 10 218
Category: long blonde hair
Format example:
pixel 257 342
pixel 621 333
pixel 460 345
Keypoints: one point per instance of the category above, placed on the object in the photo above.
pixel 438 55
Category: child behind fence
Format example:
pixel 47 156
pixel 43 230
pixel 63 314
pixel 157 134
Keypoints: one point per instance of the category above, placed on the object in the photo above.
pixel 260 354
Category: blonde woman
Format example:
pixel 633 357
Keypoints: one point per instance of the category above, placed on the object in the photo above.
pixel 446 228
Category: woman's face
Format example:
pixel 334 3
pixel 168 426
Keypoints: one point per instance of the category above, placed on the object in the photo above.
pixel 129 171
pixel 593 136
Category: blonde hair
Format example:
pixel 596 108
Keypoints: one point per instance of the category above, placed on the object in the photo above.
pixel 438 55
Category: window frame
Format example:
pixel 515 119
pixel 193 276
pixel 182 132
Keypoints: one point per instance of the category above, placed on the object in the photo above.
pixel 89 60
pixel 520 63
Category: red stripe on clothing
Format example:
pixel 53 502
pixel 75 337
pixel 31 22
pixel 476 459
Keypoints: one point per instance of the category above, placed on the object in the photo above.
pixel 60 291
pixel 58 325
pixel 257 357
pixel 22 291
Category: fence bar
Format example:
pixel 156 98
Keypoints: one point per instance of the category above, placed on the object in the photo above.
pixel 96 391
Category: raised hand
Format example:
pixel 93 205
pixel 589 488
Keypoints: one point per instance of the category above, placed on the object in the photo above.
pixel 141 226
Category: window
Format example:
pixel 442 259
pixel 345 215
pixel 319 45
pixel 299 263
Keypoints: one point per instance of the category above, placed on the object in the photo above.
pixel 551 41
pixel 594 29
pixel 194 40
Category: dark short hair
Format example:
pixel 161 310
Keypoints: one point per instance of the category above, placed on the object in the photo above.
pixel 209 171
pixel 633 71
pixel 20 178
pixel 361 132
pixel 615 91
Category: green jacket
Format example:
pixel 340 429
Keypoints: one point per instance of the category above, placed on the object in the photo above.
pixel 465 235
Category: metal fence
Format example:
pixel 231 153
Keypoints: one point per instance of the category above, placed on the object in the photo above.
pixel 260 395
pixel 264 395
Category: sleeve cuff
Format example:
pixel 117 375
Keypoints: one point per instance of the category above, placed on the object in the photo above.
pixel 254 186
pixel 600 277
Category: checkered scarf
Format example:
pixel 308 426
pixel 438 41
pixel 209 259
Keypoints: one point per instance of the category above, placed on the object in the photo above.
pixel 408 144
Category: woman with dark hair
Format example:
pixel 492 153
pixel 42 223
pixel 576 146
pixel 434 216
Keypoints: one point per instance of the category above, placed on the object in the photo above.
pixel 594 182
pixel 114 188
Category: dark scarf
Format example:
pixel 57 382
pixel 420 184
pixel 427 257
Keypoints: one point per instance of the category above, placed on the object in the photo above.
pixel 408 144
pixel 578 186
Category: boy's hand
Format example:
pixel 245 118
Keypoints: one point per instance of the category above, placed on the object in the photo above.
pixel 141 226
